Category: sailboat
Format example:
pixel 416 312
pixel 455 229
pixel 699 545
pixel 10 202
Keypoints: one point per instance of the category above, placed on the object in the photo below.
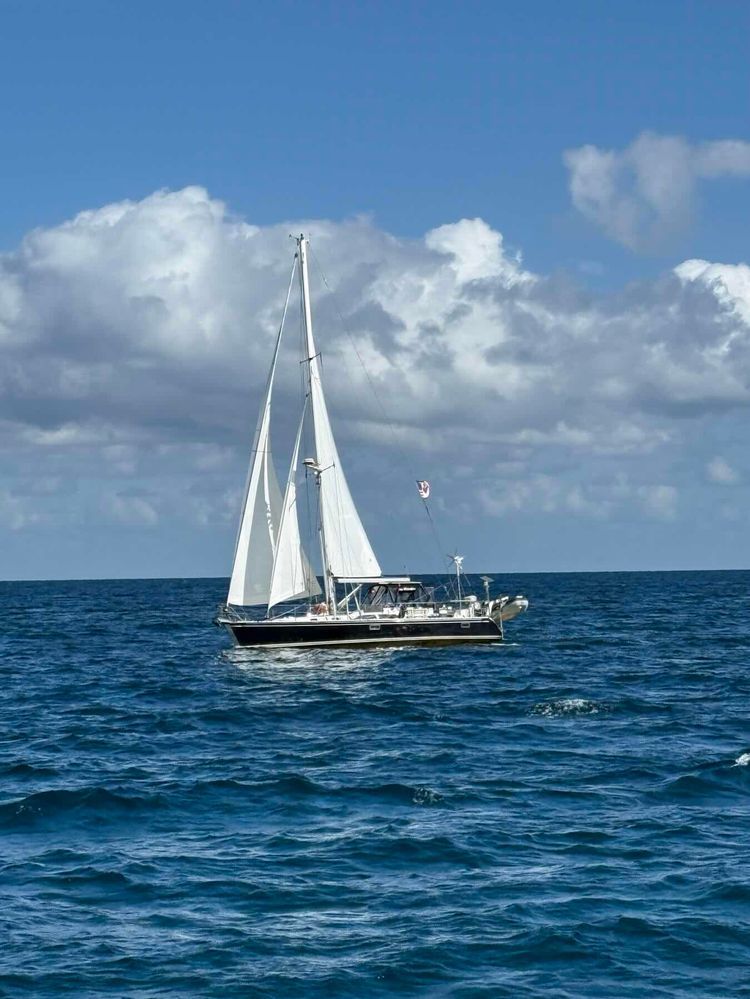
pixel 356 604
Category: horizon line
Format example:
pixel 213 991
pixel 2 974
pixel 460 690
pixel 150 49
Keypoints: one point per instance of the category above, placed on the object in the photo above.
pixel 520 572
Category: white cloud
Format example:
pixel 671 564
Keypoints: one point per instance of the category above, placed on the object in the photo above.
pixel 14 513
pixel 659 500
pixel 475 252
pixel 134 341
pixel 719 470
pixel 131 510
pixel 545 494
pixel 644 194
pixel 729 283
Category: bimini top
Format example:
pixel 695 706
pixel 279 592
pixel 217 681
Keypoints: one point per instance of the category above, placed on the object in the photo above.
pixel 374 579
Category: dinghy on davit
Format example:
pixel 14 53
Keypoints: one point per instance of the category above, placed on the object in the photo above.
pixel 358 605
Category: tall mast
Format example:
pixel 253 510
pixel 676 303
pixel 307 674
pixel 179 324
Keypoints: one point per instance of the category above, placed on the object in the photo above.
pixel 313 372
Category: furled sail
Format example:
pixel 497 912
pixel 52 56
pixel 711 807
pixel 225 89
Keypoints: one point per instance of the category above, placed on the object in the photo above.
pixel 261 509
pixel 292 575
pixel 348 548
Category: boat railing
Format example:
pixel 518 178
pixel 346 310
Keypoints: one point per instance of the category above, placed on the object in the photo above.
pixel 228 612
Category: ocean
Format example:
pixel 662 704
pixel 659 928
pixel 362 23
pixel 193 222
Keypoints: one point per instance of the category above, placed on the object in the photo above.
pixel 566 815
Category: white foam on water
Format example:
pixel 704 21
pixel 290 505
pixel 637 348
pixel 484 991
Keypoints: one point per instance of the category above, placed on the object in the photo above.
pixel 426 796
pixel 567 706
pixel 742 760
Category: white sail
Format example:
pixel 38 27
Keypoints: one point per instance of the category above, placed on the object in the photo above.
pixel 347 548
pixel 256 541
pixel 292 575
pixel 261 508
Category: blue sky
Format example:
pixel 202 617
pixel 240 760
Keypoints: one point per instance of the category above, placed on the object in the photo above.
pixel 416 116
pixel 413 112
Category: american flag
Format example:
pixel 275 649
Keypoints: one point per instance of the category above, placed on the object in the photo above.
pixel 423 487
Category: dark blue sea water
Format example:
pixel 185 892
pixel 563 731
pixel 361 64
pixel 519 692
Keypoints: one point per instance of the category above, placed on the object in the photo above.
pixel 565 816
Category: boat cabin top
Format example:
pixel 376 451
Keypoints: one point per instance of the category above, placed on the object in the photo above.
pixel 387 593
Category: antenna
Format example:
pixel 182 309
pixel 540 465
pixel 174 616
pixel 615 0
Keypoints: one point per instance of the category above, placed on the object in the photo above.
pixel 458 561
pixel 487 580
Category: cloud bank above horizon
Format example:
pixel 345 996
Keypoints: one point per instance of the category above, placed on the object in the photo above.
pixel 135 339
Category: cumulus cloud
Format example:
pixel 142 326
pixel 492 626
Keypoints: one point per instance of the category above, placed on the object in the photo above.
pixel 135 339
pixel 719 470
pixel 659 500
pixel 14 513
pixel 133 510
pixel 644 194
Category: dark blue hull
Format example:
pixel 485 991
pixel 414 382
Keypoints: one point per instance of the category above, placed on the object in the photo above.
pixel 310 633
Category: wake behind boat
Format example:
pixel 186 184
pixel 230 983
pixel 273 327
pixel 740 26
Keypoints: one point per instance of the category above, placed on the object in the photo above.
pixel 359 605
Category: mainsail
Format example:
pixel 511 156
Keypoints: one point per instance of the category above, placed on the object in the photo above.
pixel 347 549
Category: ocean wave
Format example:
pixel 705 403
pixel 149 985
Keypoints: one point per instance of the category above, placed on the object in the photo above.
pixel 401 852
pixel 710 783
pixel 393 793
pixel 569 707
pixel 86 802
pixel 289 788
pixel 29 770
pixel 88 875
pixel 731 891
